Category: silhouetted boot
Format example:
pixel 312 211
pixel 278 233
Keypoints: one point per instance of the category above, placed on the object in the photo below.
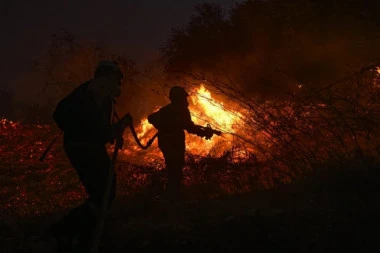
pixel 173 193
pixel 84 244
pixel 86 233
pixel 62 237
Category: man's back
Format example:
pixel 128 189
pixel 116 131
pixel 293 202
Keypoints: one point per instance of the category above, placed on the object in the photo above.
pixel 83 120
pixel 171 119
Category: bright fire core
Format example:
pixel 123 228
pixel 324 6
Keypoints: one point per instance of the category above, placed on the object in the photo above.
pixel 204 109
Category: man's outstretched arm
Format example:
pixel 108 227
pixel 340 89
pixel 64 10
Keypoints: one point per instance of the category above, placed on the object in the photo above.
pixel 192 128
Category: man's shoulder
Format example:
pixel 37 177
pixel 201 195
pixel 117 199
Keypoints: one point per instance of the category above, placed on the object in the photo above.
pixel 172 110
pixel 78 90
pixel 82 88
pixel 174 107
pixel 76 97
pixel 164 109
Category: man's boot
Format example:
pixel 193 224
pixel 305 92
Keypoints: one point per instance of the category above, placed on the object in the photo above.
pixel 62 237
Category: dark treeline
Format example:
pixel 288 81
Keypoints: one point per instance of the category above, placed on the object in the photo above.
pixel 256 55
pixel 269 46
pixel 304 72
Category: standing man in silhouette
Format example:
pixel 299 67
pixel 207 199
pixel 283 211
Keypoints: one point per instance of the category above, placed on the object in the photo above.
pixel 85 117
pixel 171 121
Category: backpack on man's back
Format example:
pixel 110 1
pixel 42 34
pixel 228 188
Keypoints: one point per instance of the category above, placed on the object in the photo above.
pixel 65 113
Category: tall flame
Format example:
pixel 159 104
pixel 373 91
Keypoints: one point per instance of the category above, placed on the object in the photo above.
pixel 205 109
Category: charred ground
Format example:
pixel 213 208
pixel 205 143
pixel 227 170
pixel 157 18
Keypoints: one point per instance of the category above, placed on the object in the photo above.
pixel 330 210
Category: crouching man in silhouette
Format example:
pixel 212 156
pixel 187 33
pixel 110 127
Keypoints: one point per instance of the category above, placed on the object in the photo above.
pixel 85 117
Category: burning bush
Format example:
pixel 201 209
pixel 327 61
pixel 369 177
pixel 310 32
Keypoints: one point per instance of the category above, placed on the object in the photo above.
pixel 312 128
pixel 266 140
pixel 263 144
pixel 281 140
pixel 288 73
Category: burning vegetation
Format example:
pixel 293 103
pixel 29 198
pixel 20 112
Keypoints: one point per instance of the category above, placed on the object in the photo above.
pixel 297 101
pixel 266 141
pixel 262 145
pixel 205 110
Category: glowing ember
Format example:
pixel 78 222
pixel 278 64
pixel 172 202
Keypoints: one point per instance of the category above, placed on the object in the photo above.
pixel 376 81
pixel 8 123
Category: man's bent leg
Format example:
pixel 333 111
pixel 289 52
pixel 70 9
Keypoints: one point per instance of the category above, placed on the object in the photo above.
pixel 95 184
pixel 175 164
pixel 92 165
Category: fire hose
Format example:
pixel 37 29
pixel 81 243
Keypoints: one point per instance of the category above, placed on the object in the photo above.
pixel 102 212
pixel 149 143
pixel 103 209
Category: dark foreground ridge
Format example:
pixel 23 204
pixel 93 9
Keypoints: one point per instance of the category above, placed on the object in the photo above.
pixel 334 213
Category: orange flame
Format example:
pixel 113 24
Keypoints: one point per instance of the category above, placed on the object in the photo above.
pixel 376 82
pixel 205 109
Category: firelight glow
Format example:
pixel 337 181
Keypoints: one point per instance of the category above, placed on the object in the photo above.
pixel 205 109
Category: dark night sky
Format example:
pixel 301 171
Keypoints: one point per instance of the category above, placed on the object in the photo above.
pixel 136 27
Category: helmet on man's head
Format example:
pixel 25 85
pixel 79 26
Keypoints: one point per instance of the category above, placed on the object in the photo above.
pixel 106 68
pixel 177 93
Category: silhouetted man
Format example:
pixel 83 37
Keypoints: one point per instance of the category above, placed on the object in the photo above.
pixel 85 117
pixel 171 121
